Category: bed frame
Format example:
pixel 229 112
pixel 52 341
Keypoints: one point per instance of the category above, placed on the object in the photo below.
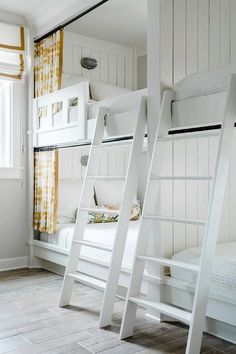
pixel 221 312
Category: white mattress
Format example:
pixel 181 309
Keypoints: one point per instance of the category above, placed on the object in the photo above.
pixel 204 83
pixel 118 104
pixel 100 233
pixel 224 271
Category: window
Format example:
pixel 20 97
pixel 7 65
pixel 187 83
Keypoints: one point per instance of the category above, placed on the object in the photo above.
pixel 12 74
pixel 11 95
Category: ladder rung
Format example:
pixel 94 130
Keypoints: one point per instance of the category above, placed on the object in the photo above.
pixel 115 178
pixel 181 136
pixel 175 220
pixel 170 263
pixel 171 311
pixel 93 245
pixel 181 178
pixel 87 280
pixel 103 211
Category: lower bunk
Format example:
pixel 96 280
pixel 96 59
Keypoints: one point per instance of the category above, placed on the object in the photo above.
pixel 51 252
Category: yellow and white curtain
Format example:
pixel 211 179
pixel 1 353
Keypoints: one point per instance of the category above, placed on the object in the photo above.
pixel 12 52
pixel 45 191
pixel 48 64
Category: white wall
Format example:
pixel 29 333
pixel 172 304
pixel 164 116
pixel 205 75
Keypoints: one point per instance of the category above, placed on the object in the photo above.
pixel 116 63
pixel 197 35
pixel 142 72
pixel 13 208
pixel 12 219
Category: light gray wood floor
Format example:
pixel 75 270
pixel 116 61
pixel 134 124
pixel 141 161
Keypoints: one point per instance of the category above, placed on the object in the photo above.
pixel 31 322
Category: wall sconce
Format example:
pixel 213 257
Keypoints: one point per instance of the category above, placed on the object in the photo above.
pixel 84 160
pixel 88 63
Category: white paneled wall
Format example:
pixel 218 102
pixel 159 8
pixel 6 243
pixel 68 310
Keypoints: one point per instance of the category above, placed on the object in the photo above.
pixel 197 35
pixel 109 163
pixel 191 157
pixel 117 64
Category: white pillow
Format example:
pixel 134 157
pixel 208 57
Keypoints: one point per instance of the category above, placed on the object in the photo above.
pixel 101 91
pixel 68 200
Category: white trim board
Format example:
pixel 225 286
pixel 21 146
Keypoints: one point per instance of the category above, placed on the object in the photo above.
pixel 13 263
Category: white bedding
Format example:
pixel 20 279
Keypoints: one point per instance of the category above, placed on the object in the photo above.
pixel 100 233
pixel 118 104
pixel 204 83
pixel 223 276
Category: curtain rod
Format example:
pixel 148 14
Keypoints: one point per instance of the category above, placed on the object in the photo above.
pixel 67 23
pixel 82 143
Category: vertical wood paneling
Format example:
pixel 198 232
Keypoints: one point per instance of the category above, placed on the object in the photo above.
pixel 77 55
pixel 86 52
pixel 233 32
pixel 112 69
pixel 191 192
pixel 128 73
pixel 115 62
pixel 68 59
pixel 179 39
pixel 214 29
pixel 203 35
pixel 191 36
pixel 120 71
pixel 95 73
pixel 179 194
pixel 225 20
pixel 104 75
pixel 202 197
pixel 167 43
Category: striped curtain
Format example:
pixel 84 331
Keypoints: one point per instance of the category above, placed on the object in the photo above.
pixel 45 191
pixel 48 57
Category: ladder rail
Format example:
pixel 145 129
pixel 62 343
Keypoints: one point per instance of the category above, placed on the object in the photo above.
pixel 81 219
pixel 123 221
pixel 145 228
pixel 213 224
pixel 117 250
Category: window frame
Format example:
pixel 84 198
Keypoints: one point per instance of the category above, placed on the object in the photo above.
pixel 16 138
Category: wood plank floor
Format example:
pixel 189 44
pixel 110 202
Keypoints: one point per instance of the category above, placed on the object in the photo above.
pixel 31 322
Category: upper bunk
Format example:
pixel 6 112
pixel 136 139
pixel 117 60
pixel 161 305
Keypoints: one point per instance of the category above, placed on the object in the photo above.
pixel 198 105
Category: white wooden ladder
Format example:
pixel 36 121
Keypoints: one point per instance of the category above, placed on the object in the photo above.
pixel 196 318
pixel 129 189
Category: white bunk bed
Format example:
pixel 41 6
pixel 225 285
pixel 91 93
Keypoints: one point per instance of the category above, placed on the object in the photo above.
pixel 69 115
pixel 200 90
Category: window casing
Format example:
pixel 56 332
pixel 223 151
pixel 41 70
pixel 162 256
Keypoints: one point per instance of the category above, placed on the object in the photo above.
pixel 11 99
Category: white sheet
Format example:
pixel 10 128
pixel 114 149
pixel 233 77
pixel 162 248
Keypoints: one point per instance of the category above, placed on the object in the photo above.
pixel 204 83
pixel 100 233
pixel 117 105
pixel 224 271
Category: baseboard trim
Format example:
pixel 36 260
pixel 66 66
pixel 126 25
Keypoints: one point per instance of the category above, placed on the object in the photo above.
pixel 13 263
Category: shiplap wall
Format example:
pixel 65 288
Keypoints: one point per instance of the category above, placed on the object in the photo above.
pixel 189 199
pixel 107 163
pixel 117 64
pixel 197 35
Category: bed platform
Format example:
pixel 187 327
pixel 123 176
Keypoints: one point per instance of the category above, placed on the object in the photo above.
pixel 52 253
pixel 69 115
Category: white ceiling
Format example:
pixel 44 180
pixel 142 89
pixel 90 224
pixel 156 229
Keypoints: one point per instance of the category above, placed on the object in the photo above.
pixel 119 21
pixel 43 15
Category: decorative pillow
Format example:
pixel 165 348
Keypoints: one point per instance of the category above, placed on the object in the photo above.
pixel 98 218
pixel 101 91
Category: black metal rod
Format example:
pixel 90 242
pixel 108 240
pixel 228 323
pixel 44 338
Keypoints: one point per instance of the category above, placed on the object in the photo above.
pixel 67 23
pixel 82 143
